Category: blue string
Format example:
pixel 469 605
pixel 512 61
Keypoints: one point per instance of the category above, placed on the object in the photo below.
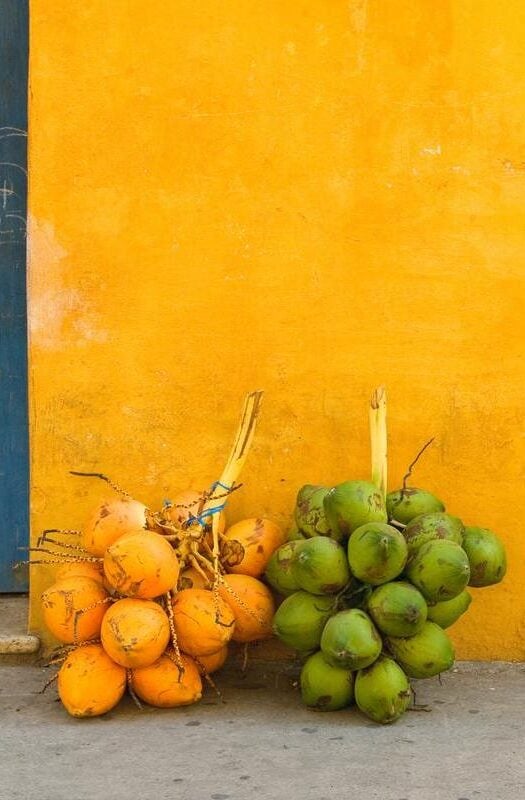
pixel 200 517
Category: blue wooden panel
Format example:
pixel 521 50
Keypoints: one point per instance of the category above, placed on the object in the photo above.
pixel 14 456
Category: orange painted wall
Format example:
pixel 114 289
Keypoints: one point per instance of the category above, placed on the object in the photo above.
pixel 306 197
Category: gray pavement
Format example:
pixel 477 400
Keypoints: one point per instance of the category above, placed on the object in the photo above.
pixel 261 743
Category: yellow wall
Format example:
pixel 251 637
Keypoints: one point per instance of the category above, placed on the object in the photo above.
pixel 308 197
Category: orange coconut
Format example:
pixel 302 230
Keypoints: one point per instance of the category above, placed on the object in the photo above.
pixel 89 682
pixel 110 521
pixel 247 546
pixel 73 609
pixel 80 570
pixel 253 610
pixel 213 662
pixel 135 632
pixel 191 579
pixel 203 623
pixel 163 685
pixel 141 564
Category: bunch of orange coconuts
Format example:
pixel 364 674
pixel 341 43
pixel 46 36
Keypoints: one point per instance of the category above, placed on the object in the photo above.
pixel 149 600
pixel 132 610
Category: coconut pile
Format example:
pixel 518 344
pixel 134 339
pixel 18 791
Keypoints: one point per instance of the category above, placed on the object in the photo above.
pixel 149 600
pixel 371 582
pixel 132 617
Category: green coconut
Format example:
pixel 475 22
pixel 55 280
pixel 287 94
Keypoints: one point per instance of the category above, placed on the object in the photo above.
pixel 320 566
pixel 350 640
pixel 377 553
pixel 310 516
pixel 300 619
pixel 440 570
pixel 405 504
pixel 486 555
pixel 324 686
pixel 279 570
pixel 352 504
pixel 427 653
pixel 382 691
pixel 447 612
pixel 428 527
pixel 398 609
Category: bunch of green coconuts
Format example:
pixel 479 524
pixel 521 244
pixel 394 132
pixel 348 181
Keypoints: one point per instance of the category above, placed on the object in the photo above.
pixel 370 584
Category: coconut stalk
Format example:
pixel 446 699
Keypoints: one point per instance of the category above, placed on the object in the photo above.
pixel 378 439
pixel 238 454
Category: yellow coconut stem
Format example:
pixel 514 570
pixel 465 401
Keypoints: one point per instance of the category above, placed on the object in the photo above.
pixel 239 452
pixel 378 439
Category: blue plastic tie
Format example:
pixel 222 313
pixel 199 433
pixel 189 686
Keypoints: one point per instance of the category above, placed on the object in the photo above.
pixel 215 510
pixel 208 513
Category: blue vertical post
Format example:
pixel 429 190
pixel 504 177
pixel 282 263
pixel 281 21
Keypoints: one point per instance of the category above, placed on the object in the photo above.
pixel 14 449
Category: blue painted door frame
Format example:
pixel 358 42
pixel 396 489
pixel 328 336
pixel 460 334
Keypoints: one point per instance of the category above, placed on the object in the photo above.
pixel 14 450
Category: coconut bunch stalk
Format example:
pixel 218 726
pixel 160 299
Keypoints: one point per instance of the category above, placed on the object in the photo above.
pixel 379 439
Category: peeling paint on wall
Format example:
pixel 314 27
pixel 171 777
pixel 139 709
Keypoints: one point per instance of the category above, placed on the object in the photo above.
pixel 53 304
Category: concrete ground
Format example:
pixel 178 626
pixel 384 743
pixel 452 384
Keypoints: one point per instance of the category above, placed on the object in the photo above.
pixel 261 743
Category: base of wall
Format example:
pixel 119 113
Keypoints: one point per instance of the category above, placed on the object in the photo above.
pixel 16 645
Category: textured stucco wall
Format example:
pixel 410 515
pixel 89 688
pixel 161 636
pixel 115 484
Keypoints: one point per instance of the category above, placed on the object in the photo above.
pixel 306 197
